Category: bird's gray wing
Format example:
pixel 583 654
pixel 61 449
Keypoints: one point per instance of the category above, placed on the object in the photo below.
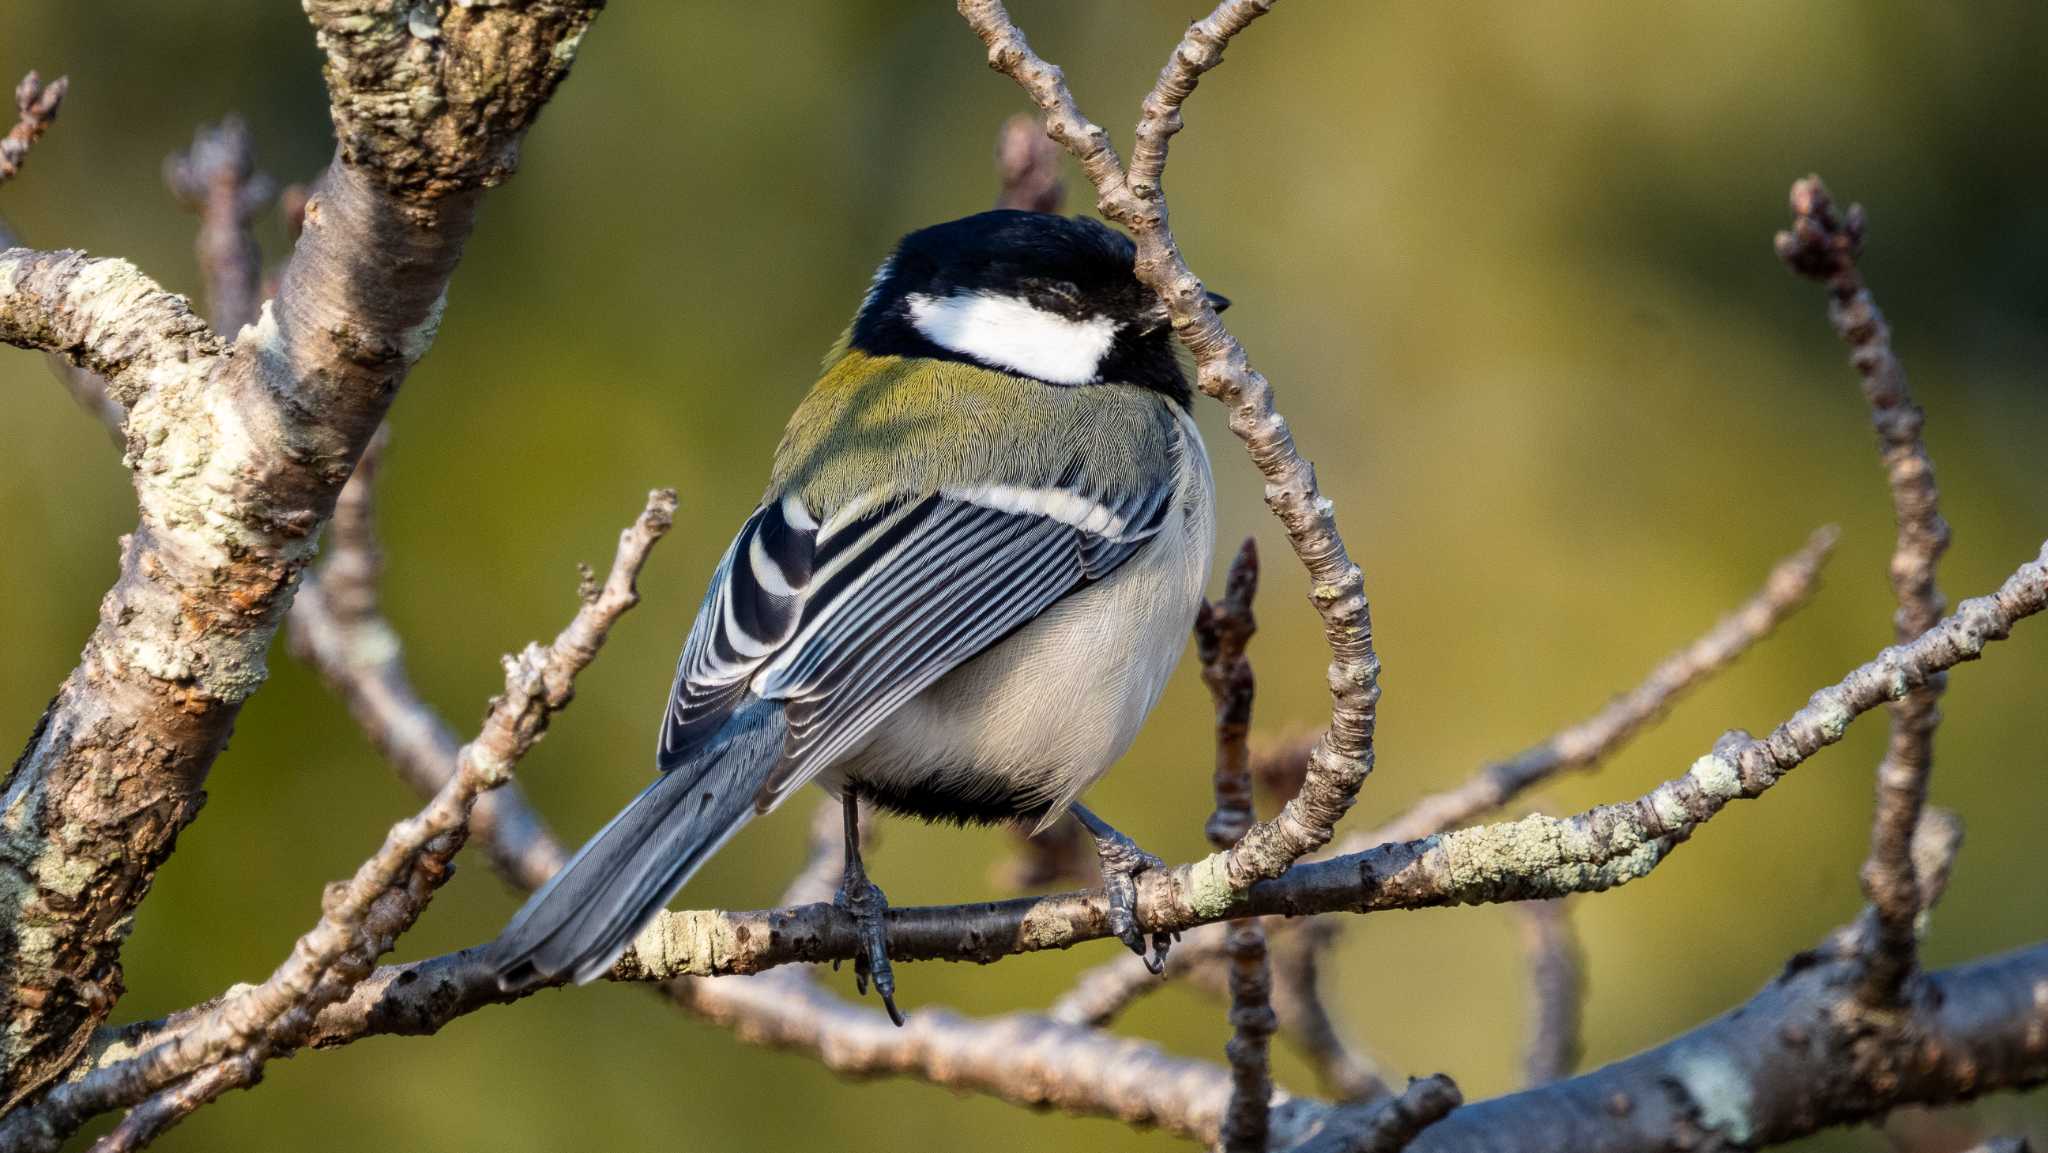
pixel 844 622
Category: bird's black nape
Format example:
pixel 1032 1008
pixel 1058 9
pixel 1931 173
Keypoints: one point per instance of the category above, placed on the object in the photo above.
pixel 1072 269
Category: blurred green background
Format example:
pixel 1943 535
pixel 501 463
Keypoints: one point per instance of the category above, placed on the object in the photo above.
pixel 1509 268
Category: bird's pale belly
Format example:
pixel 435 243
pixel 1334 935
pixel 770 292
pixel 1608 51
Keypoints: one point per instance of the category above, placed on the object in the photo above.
pixel 1023 728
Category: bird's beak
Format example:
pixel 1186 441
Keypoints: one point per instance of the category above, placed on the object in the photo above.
pixel 1157 319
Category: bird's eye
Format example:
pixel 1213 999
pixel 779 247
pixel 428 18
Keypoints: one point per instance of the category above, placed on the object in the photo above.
pixel 1062 294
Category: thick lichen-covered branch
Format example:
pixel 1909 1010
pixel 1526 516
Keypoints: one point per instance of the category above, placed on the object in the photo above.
pixel 1825 247
pixel 104 316
pixel 237 461
pixel 1342 759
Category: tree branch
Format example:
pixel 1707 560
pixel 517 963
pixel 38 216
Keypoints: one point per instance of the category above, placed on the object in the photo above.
pixel 365 916
pixel 1821 247
pixel 1794 1059
pixel 36 107
pixel 217 178
pixel 1537 858
pixel 238 460
pixel 1222 630
pixel 339 629
pixel 1342 759
pixel 106 317
pixel 1557 989
pixel 1393 1125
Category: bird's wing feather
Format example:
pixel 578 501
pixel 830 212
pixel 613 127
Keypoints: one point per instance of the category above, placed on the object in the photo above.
pixel 847 620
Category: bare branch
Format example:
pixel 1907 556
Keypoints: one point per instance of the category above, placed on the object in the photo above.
pixel 1537 858
pixel 237 462
pixel 1345 1070
pixel 1394 1124
pixel 1104 991
pixel 338 627
pixel 149 1120
pixel 1557 989
pixel 1252 1024
pixel 1025 1059
pixel 1343 758
pixel 36 107
pixel 1936 841
pixel 1592 740
pixel 217 178
pixel 1821 247
pixel 1222 630
pixel 1199 959
pixel 1792 1060
pixel 104 316
pixel 364 917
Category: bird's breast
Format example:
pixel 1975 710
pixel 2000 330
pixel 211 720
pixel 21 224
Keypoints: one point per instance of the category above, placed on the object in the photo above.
pixel 1021 729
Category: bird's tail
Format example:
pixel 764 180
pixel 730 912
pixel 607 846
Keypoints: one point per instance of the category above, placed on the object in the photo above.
pixel 585 916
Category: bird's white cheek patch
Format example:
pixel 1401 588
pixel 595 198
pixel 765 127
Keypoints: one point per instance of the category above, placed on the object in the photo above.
pixel 1005 331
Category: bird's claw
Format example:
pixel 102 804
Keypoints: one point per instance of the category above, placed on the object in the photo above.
pixel 862 898
pixel 1122 861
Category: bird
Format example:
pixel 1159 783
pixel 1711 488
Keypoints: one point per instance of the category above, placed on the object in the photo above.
pixel 985 536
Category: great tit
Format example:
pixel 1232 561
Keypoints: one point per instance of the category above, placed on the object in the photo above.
pixel 984 539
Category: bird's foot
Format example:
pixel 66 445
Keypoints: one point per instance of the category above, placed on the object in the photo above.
pixel 862 898
pixel 1122 860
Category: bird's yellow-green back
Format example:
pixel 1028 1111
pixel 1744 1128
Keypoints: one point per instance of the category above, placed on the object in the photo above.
pixel 909 426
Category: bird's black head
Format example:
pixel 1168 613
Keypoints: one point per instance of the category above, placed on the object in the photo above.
pixel 1050 297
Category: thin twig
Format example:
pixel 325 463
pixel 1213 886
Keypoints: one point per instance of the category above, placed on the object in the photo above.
pixel 36 107
pixel 1102 992
pixel 87 388
pixel 1535 858
pixel 1222 630
pixel 1249 1050
pixel 1343 758
pixel 218 179
pixel 149 1120
pixel 1392 1125
pixel 338 627
pixel 364 916
pixel 1557 989
pixel 1345 1070
pixel 1824 247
